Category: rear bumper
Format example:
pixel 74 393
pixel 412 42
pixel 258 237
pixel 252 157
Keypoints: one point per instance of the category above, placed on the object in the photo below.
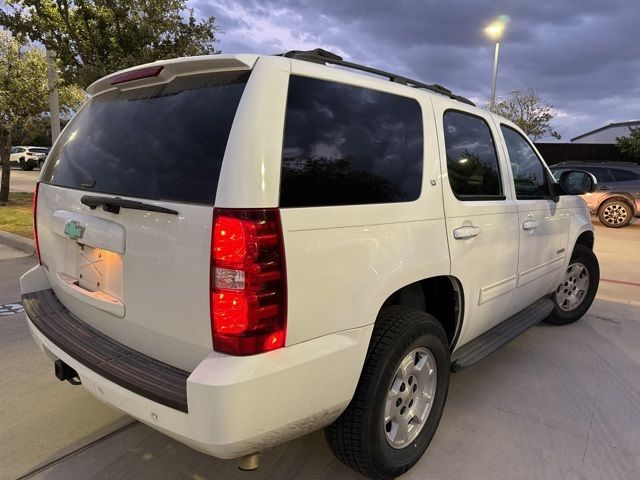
pixel 235 405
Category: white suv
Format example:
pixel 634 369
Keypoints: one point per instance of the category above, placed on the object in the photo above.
pixel 238 249
pixel 27 158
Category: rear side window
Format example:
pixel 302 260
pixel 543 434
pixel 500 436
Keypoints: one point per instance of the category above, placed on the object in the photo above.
pixel 346 145
pixel 601 174
pixel 161 142
pixel 529 174
pixel 624 175
pixel 472 163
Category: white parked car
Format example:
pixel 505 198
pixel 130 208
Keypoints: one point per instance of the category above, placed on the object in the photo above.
pixel 27 158
pixel 238 249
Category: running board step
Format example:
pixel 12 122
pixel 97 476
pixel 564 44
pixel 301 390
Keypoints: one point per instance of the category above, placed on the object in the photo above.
pixel 503 333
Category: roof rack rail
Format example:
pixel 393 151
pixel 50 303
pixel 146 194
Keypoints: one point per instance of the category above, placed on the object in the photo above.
pixel 319 55
pixel 610 163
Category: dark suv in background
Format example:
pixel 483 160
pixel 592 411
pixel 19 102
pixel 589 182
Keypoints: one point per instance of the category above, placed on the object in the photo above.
pixel 617 199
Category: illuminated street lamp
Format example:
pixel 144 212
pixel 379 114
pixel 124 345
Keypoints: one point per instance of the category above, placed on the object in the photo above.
pixel 495 30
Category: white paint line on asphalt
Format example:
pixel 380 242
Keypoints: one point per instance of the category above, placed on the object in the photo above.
pixel 11 309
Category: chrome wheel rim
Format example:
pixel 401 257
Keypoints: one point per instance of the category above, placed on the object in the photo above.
pixel 615 214
pixel 410 397
pixel 573 288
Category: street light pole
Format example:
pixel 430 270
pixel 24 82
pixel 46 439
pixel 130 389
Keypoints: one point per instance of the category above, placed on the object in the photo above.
pixel 495 30
pixel 495 75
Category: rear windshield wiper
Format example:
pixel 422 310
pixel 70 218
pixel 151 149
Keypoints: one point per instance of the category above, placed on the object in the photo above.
pixel 114 204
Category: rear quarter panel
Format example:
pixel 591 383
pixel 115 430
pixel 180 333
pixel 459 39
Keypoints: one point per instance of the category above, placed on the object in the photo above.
pixel 342 262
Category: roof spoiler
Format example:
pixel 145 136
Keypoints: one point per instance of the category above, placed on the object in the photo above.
pixel 164 71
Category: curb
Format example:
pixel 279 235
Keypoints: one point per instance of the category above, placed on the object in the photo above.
pixel 18 242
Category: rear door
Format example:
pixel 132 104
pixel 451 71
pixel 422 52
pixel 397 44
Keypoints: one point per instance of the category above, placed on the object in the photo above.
pixel 140 272
pixel 543 224
pixel 627 181
pixel 481 217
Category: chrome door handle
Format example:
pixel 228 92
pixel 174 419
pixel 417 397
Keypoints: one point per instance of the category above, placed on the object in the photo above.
pixel 466 232
pixel 529 224
pixel 604 187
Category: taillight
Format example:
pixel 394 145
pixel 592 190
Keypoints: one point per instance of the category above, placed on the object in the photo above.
pixel 35 221
pixel 248 285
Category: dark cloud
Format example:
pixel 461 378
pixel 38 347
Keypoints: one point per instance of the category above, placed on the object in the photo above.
pixel 582 55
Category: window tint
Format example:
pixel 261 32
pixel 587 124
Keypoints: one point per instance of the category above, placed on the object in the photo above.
pixel 160 142
pixel 601 174
pixel 14 150
pixel 471 157
pixel 346 145
pixel 528 173
pixel 624 175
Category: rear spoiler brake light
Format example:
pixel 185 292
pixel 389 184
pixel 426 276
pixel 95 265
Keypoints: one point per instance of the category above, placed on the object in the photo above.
pixel 139 74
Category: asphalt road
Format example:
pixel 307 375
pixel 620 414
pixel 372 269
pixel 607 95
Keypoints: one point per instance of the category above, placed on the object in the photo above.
pixel 23 181
pixel 558 402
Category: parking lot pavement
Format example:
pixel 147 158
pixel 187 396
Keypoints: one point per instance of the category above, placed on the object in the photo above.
pixel 40 418
pixel 7 253
pixel 558 402
pixel 617 250
pixel 23 181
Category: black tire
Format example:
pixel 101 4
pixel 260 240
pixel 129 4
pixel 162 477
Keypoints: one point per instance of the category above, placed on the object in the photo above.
pixel 358 437
pixel 586 257
pixel 23 164
pixel 620 216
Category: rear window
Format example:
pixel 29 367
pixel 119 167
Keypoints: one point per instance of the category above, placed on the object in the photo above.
pixel 161 142
pixel 346 145
pixel 624 175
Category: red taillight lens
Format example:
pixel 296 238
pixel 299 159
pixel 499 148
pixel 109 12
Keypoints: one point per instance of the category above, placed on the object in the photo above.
pixel 146 72
pixel 248 286
pixel 35 221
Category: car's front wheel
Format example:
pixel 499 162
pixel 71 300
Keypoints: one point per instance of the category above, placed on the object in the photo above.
pixel 400 396
pixel 615 213
pixel 577 289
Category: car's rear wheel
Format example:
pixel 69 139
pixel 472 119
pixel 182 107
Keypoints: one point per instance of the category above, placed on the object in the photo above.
pixel 615 213
pixel 400 396
pixel 577 289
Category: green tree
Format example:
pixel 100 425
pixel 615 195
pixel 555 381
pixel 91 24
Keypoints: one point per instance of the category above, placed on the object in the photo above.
pixel 95 37
pixel 24 97
pixel 527 109
pixel 631 143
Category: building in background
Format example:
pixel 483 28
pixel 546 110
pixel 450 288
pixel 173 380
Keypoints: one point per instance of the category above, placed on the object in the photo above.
pixel 607 134
pixel 598 145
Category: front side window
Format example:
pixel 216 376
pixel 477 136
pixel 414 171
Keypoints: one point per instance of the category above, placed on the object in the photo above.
pixel 528 172
pixel 347 145
pixel 472 163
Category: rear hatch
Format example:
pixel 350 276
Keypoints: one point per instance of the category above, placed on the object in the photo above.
pixel 125 208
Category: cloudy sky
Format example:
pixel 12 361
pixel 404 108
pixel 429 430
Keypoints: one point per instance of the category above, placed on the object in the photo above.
pixel 582 55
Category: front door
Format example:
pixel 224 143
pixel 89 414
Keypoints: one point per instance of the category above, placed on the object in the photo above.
pixel 542 222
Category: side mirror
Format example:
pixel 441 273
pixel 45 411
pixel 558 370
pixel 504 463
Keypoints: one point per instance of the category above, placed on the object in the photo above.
pixel 577 182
